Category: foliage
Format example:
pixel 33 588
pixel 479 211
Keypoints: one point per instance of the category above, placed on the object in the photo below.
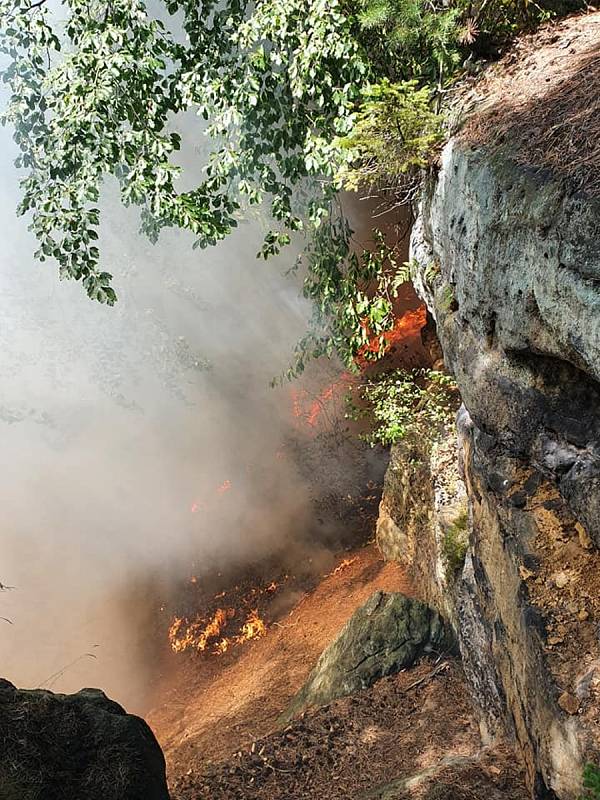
pixel 401 403
pixel 430 40
pixel 455 544
pixel 277 86
pixel 591 782
pixel 293 108
pixel 352 294
pixel 417 48
pixel 413 39
pixel 393 137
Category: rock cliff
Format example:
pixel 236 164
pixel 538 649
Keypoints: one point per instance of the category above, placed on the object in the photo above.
pixel 508 251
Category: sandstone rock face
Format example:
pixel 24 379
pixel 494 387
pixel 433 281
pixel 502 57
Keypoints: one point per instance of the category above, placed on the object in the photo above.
pixel 518 301
pixel 81 746
pixel 387 634
pixel 509 266
pixel 508 251
pixel 424 505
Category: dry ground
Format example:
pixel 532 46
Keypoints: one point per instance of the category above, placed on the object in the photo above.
pixel 217 720
pixel 411 735
pixel 543 99
pixel 211 706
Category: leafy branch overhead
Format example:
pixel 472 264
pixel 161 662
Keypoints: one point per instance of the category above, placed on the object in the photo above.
pixel 277 87
pixel 300 98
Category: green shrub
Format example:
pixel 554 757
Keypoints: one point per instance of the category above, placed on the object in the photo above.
pixel 394 137
pixel 591 782
pixel 430 40
pixel 416 50
pixel 400 403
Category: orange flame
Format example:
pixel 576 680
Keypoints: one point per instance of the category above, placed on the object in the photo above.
pixel 253 628
pixel 196 635
pixel 406 326
pixel 221 647
pixel 204 632
pixel 309 408
pixel 347 562
pixel 224 487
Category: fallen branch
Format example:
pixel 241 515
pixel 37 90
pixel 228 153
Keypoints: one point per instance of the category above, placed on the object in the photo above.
pixel 440 668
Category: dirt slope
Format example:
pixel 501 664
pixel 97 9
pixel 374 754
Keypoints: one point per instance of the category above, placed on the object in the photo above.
pixel 413 735
pixel 410 736
pixel 210 707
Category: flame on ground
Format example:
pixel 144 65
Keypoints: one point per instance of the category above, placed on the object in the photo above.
pixel 253 628
pixel 197 635
pixel 347 562
pixel 220 630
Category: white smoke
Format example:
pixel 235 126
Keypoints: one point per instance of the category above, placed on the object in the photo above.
pixel 119 425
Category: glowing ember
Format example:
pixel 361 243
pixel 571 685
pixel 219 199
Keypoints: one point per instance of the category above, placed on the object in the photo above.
pixel 224 487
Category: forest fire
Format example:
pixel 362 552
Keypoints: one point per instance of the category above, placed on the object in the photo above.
pixel 405 327
pixel 219 630
pixel 311 409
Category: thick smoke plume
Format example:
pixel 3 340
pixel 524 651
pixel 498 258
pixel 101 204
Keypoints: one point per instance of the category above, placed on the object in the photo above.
pixel 139 443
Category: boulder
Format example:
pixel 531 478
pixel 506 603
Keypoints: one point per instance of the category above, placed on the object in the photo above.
pixel 81 746
pixel 388 633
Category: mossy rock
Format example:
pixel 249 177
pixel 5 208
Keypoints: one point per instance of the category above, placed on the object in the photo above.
pixel 388 633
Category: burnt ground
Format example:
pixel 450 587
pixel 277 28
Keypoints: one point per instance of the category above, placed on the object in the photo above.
pixel 418 725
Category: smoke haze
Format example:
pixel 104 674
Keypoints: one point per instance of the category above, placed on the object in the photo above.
pixel 138 442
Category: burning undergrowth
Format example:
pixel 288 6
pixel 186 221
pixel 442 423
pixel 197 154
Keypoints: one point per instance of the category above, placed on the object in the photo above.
pixel 229 618
pixel 217 613
pixel 216 610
